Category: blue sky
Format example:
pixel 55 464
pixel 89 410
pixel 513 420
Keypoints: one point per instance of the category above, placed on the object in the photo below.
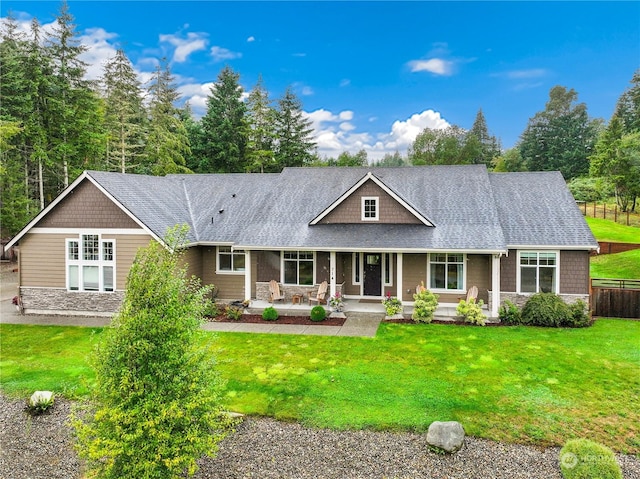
pixel 372 75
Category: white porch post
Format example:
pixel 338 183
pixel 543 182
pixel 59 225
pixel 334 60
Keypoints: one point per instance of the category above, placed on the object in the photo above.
pixel 247 275
pixel 399 286
pixel 332 273
pixel 495 285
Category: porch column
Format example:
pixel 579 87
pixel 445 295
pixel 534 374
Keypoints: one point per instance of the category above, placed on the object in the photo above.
pixel 332 273
pixel 247 274
pixel 399 286
pixel 495 284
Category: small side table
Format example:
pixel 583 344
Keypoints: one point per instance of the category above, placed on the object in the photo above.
pixel 296 299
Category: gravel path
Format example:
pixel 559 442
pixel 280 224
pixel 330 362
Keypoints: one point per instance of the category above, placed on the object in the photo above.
pixel 40 447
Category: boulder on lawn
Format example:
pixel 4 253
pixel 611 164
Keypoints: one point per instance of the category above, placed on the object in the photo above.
pixel 447 436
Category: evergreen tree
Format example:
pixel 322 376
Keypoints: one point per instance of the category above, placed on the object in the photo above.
pixel 294 142
pixel 261 134
pixel 195 135
pixel 156 405
pixel 167 143
pixel 124 114
pixel 628 106
pixel 389 160
pixel 561 137
pixel 489 145
pixel 225 127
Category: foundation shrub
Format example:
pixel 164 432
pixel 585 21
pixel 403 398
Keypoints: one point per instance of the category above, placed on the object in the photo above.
pixel 318 313
pixel 270 314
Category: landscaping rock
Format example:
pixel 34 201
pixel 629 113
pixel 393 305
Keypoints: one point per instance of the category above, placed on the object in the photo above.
pixel 448 435
pixel 41 398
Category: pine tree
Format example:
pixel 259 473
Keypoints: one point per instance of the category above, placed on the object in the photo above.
pixel 261 134
pixel 225 126
pixel 167 144
pixel 628 106
pixel 124 114
pixel 489 145
pixel 294 142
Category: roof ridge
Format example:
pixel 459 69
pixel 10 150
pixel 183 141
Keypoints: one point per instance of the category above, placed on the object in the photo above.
pixel 189 209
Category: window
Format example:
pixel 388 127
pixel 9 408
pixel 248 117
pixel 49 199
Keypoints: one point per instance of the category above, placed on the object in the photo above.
pixel 369 208
pixel 388 270
pixel 447 271
pixel 230 261
pixel 356 268
pixel 298 267
pixel 90 263
pixel 538 272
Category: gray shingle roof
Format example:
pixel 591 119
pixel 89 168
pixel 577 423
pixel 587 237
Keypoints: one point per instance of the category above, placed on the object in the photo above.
pixel 471 209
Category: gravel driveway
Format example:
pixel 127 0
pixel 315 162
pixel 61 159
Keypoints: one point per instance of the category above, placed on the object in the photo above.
pixel 40 448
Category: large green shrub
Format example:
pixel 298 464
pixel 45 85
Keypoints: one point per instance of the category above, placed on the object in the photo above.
pixel 509 313
pixel 318 313
pixel 156 401
pixel 548 309
pixel 545 309
pixel 584 459
pixel 471 311
pixel 424 306
pixel 270 314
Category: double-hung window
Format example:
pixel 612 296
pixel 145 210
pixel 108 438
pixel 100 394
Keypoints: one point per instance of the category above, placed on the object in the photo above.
pixel 90 263
pixel 446 271
pixel 230 261
pixel 298 267
pixel 538 271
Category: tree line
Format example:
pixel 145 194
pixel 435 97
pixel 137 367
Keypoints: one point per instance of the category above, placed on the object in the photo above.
pixel 54 123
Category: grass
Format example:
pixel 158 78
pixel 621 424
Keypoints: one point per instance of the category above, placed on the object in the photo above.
pixel 617 266
pixel 606 230
pixel 515 384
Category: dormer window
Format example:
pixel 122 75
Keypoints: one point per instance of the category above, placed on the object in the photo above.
pixel 370 210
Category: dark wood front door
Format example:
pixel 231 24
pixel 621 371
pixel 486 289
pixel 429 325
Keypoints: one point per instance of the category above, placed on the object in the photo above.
pixel 372 274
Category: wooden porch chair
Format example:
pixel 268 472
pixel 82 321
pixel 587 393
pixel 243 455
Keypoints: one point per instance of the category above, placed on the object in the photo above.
pixel 320 295
pixel 274 291
pixel 472 293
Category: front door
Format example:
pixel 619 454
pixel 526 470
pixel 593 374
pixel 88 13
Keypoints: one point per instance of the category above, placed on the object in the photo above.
pixel 372 274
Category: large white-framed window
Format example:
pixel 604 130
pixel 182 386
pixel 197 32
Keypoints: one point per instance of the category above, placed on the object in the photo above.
pixel 538 271
pixel 446 271
pixel 90 263
pixel 298 267
pixel 370 208
pixel 230 261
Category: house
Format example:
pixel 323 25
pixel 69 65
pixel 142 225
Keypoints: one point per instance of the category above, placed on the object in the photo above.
pixel 366 231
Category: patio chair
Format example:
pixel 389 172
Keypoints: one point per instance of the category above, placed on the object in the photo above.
pixel 320 295
pixel 274 291
pixel 472 293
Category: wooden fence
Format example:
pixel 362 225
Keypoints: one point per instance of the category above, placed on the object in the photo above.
pixel 615 298
pixel 609 212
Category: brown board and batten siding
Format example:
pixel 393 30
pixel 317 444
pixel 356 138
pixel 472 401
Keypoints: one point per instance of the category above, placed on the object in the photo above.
pixel 42 258
pixel 227 285
pixel 350 210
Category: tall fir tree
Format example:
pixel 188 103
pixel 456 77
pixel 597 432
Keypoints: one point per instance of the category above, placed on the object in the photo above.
pixel 124 114
pixel 167 142
pixel 489 145
pixel 561 137
pixel 261 133
pixel 225 126
pixel 295 145
pixel 628 106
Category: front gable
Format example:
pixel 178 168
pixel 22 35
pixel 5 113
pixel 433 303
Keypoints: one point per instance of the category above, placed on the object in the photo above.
pixel 370 201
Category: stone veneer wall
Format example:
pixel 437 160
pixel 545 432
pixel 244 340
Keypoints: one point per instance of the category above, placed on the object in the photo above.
pixel 519 299
pixel 262 291
pixel 63 302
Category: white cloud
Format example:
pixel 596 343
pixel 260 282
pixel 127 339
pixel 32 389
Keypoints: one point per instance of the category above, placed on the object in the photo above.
pixel 99 51
pixel 251 39
pixel 335 133
pixel 522 74
pixel 345 82
pixel 307 90
pixel 220 54
pixel 437 66
pixel 185 46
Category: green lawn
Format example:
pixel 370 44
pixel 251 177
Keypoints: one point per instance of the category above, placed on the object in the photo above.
pixel 618 266
pixel 606 230
pixel 516 384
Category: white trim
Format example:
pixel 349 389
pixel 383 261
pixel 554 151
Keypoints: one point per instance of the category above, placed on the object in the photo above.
pixel 100 231
pixel 519 268
pixel 399 283
pixel 231 271
pixel 495 285
pixel 376 203
pixel 80 263
pixel 358 267
pixel 350 249
pixel 247 275
pixel 386 263
pixel 554 247
pixel 332 274
pixel 370 176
